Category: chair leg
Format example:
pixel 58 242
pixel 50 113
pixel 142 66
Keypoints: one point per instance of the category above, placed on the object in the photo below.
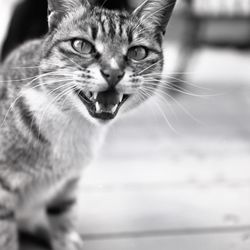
pixel 190 43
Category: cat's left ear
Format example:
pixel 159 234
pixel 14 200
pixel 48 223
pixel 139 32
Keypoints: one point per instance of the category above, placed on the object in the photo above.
pixel 156 13
pixel 58 8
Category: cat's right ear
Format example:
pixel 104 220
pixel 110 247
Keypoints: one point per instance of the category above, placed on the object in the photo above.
pixel 58 8
pixel 156 13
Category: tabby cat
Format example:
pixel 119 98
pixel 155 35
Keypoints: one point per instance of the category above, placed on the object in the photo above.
pixel 57 97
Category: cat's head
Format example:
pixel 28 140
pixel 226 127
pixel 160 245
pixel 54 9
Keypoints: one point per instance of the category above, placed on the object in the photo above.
pixel 104 62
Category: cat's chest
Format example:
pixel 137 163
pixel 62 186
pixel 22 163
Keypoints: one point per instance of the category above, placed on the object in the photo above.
pixel 75 146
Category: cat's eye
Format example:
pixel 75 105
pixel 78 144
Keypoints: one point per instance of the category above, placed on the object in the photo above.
pixel 83 47
pixel 138 53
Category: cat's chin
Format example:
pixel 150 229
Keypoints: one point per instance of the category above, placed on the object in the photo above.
pixel 103 106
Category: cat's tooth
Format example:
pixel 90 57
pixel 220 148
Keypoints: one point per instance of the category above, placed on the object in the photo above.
pixel 88 94
pixel 114 109
pixel 98 107
pixel 92 98
pixel 120 97
pixel 95 94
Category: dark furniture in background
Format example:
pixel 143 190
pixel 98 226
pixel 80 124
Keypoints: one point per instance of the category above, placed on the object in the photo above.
pixel 29 21
pixel 221 24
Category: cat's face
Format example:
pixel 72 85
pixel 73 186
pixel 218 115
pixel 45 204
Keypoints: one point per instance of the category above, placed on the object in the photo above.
pixel 100 61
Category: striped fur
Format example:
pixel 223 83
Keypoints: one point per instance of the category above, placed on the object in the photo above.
pixel 51 125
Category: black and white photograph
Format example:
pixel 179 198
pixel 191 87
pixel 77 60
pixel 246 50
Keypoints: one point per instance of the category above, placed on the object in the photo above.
pixel 124 124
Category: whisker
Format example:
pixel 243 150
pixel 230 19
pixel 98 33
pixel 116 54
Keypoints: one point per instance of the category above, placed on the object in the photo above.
pixel 162 113
pixel 161 96
pixel 29 78
pixel 78 65
pixel 60 87
pixel 152 65
pixel 188 83
pixel 179 89
pixel 166 76
pixel 155 93
pixel 32 67
pixel 58 97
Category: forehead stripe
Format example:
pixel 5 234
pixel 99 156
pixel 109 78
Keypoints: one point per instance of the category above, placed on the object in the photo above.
pixel 94 31
pixel 121 28
pixel 111 25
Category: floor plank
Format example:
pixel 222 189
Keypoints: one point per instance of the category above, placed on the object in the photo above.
pixel 160 208
pixel 200 242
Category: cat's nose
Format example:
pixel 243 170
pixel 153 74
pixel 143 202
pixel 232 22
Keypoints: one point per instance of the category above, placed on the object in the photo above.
pixel 113 77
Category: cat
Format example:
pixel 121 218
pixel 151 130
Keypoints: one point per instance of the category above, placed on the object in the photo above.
pixel 58 95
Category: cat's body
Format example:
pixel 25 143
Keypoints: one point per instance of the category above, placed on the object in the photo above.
pixel 56 98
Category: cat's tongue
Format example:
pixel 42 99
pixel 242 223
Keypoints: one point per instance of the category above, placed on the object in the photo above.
pixel 107 102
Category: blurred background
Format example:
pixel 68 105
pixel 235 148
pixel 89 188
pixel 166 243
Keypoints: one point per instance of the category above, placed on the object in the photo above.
pixel 175 174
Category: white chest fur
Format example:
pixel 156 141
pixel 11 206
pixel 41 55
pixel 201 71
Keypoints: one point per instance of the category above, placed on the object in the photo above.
pixel 76 143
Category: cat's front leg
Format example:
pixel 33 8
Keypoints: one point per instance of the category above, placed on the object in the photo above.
pixel 63 233
pixel 8 225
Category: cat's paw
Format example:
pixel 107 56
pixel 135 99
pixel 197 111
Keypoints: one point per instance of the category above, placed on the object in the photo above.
pixel 71 241
pixel 76 241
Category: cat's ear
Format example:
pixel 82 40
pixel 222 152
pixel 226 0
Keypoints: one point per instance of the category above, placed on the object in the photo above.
pixel 156 13
pixel 58 8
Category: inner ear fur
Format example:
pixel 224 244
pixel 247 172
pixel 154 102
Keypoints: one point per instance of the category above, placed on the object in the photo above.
pixel 156 13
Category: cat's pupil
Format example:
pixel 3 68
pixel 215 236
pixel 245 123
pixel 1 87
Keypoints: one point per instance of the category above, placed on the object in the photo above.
pixel 82 46
pixel 138 53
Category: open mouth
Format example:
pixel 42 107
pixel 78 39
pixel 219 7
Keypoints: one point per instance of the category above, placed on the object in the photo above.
pixel 102 105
